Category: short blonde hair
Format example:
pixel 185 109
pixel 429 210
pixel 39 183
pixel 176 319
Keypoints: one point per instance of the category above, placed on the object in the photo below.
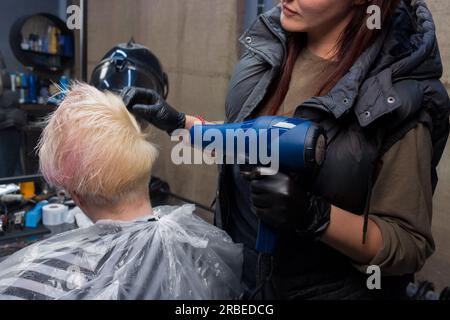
pixel 94 147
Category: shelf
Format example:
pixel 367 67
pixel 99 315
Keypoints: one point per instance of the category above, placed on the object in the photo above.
pixel 47 54
pixel 44 62
pixel 37 107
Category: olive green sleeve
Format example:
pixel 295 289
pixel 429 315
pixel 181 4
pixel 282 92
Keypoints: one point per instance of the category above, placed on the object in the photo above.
pixel 401 205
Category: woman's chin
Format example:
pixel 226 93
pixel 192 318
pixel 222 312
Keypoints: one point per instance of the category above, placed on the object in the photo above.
pixel 291 25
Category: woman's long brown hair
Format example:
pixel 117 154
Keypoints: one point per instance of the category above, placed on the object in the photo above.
pixel 354 40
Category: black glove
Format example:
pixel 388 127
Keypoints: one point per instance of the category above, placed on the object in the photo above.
pixel 283 203
pixel 149 105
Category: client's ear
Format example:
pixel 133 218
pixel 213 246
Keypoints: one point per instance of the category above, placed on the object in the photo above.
pixel 78 201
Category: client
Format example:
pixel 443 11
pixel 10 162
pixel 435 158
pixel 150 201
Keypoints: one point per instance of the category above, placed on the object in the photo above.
pixel 94 148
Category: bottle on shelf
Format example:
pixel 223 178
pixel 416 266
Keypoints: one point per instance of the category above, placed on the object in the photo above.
pixel 43 95
pixel 13 81
pixel 23 88
pixel 54 40
pixel 40 43
pixel 61 42
pixel 44 47
pixel 32 88
pixel 18 84
pixel 68 46
pixel 24 45
pixel 48 39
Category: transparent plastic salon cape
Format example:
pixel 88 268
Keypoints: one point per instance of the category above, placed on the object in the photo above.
pixel 176 256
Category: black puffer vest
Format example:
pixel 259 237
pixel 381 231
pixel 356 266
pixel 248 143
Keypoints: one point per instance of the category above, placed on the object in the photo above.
pixel 393 86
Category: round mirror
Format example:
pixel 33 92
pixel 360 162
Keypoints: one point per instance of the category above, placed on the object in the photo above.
pixel 42 42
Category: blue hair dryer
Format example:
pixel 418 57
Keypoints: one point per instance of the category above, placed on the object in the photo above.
pixel 301 145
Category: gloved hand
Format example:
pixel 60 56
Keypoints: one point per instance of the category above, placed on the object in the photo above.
pixel 149 105
pixel 282 202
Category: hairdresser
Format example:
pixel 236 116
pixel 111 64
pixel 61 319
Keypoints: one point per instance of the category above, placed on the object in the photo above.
pixel 378 95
